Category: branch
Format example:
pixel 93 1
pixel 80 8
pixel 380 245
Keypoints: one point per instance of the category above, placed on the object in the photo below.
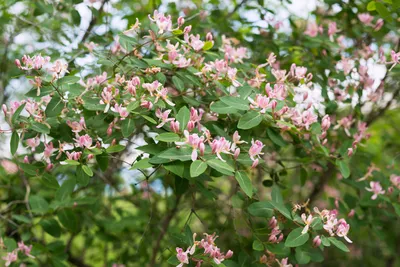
pixel 319 186
pixel 236 9
pixel 93 22
pixel 164 229
pixel 382 111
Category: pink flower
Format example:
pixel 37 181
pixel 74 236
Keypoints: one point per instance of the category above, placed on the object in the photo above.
pixel 152 87
pixel 195 142
pixel 376 188
pixel 48 150
pixel 365 18
pixel 74 155
pixel 36 62
pixel 395 59
pixel 33 143
pixel 255 150
pixel 395 180
pixel 308 118
pixel 312 29
pixel 195 42
pixel 326 123
pixel 284 263
pixel 342 230
pixel 332 29
pixel 261 102
pixel 163 116
pixel 84 141
pixel 307 221
pixel 121 110
pixel 182 256
pixel 25 249
pixel 10 257
pixel 220 146
pixel 163 23
pixel 163 94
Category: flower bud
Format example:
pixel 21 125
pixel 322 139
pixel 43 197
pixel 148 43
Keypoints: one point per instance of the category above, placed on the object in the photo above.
pixel 209 36
pixel 229 254
pixel 26 160
pixel 187 29
pixel 351 213
pixel 237 153
pixel 202 148
pixel 255 163
pixel 181 21
pixel 272 223
pixel 90 156
pixel 349 151
pixel 190 126
pixel 317 241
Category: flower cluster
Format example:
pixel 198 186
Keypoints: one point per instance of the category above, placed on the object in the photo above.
pixel 13 255
pixel 211 252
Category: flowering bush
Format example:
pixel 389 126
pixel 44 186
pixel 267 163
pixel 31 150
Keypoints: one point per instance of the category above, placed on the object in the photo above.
pixel 210 134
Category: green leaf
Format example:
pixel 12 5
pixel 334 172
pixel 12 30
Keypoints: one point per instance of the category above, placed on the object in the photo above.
pixel 208 45
pixel 38 204
pixel 249 120
pixel 258 245
pixel 51 227
pixel 179 84
pixel 302 257
pixel 175 167
pixel 220 166
pixel 197 167
pixel 371 6
pixel 339 244
pixel 69 220
pixel 344 168
pixel 182 154
pixel 40 128
pixel 82 177
pixel 21 218
pixel 244 182
pixel 276 138
pixel 142 164
pixel 55 106
pixel 183 117
pixel 222 108
pixel 150 119
pixel 50 181
pixel 16 114
pixel 296 238
pixel 277 202
pixel 115 149
pixel 383 11
pixel 168 137
pixel 127 127
pixel 102 161
pixel 87 170
pixel 72 162
pixel 325 241
pixel 236 102
pixel 317 224
pixel 65 190
pixel 14 142
pixel 261 209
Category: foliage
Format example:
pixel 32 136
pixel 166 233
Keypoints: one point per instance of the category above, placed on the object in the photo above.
pixel 276 140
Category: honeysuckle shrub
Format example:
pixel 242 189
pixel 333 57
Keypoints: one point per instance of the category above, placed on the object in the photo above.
pixel 227 145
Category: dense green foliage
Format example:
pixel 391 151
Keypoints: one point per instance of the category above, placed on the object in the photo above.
pixel 123 144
